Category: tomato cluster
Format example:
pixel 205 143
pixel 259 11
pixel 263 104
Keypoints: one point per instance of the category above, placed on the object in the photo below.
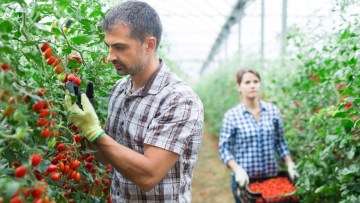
pixel 273 189
pixel 60 160
pixel 58 68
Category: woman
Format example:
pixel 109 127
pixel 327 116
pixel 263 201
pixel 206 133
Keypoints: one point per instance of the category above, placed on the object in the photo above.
pixel 251 132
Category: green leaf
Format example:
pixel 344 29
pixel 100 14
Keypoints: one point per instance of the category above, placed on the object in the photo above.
pixel 330 138
pixel 341 115
pixel 347 124
pixel 321 189
pixel 63 4
pixel 86 22
pixel 56 31
pixel 11 187
pixel 350 154
pixel 352 61
pixel 345 34
pixel 80 40
pixel 6 26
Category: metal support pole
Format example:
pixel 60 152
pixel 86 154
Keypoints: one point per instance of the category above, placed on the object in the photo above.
pixel 239 38
pixel 283 27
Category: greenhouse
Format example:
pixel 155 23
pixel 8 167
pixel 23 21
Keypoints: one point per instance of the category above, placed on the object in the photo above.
pixel 180 101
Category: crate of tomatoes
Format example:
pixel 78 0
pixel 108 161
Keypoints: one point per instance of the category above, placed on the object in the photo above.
pixel 278 189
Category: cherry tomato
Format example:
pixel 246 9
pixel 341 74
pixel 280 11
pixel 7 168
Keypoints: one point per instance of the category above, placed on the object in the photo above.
pixel 35 160
pixel 44 46
pixel 55 176
pixel 48 53
pixel 20 172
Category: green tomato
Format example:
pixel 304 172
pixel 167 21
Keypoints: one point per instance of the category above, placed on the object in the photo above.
pixel 21 132
pixel 52 142
pixel 62 77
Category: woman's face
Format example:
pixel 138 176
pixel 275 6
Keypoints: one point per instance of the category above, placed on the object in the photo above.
pixel 249 86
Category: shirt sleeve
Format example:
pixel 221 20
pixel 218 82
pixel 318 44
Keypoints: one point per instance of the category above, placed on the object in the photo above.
pixel 280 143
pixel 179 120
pixel 226 139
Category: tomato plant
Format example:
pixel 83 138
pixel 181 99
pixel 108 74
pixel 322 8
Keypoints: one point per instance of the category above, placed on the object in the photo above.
pixel 43 156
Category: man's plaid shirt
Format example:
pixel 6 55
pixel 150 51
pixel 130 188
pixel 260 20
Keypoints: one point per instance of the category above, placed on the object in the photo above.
pixel 165 113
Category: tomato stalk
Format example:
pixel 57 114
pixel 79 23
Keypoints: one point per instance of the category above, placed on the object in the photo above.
pixel 72 47
pixel 22 30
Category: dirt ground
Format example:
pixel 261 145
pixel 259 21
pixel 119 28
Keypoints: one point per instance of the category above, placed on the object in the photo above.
pixel 211 180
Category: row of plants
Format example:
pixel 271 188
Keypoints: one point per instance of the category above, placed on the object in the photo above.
pixel 44 44
pixel 316 87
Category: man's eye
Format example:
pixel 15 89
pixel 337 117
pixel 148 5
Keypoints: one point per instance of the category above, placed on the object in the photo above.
pixel 119 48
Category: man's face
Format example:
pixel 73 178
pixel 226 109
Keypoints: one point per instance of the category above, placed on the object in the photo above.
pixel 125 53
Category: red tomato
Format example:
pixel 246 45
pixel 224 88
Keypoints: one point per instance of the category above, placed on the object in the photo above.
pixel 48 53
pixel 35 160
pixel 5 67
pixel 55 176
pixel 38 106
pixel 36 193
pixel 61 147
pixel 348 104
pixel 20 172
pixel 44 46
pixel 41 92
pixel 16 200
pixel 56 62
pixel 41 122
pixel 70 77
pixel 75 164
pixel 50 60
pixel 77 81
pixel 43 113
pixel 51 168
pixel 26 98
pixel 77 177
pixel 77 138
pixel 45 133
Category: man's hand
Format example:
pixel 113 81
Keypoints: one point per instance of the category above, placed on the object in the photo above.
pixel 293 174
pixel 74 89
pixel 85 118
pixel 241 177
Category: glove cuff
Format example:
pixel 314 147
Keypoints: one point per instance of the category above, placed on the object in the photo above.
pixel 290 164
pixel 97 137
pixel 94 134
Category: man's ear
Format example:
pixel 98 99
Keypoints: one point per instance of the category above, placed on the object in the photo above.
pixel 151 43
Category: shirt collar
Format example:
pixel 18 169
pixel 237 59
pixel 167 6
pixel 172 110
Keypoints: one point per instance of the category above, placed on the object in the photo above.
pixel 244 110
pixel 155 82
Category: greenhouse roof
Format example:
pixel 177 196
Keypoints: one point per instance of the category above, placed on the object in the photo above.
pixel 191 27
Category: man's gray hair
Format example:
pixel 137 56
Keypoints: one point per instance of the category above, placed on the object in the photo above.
pixel 142 19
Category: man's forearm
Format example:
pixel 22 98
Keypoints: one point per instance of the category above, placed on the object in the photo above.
pixel 98 155
pixel 145 170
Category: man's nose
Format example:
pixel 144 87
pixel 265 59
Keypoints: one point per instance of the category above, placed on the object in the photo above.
pixel 111 55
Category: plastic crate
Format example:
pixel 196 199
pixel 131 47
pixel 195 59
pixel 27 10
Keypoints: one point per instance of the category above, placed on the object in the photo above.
pixel 254 197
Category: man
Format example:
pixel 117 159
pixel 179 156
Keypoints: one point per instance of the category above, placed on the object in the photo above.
pixel 155 121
